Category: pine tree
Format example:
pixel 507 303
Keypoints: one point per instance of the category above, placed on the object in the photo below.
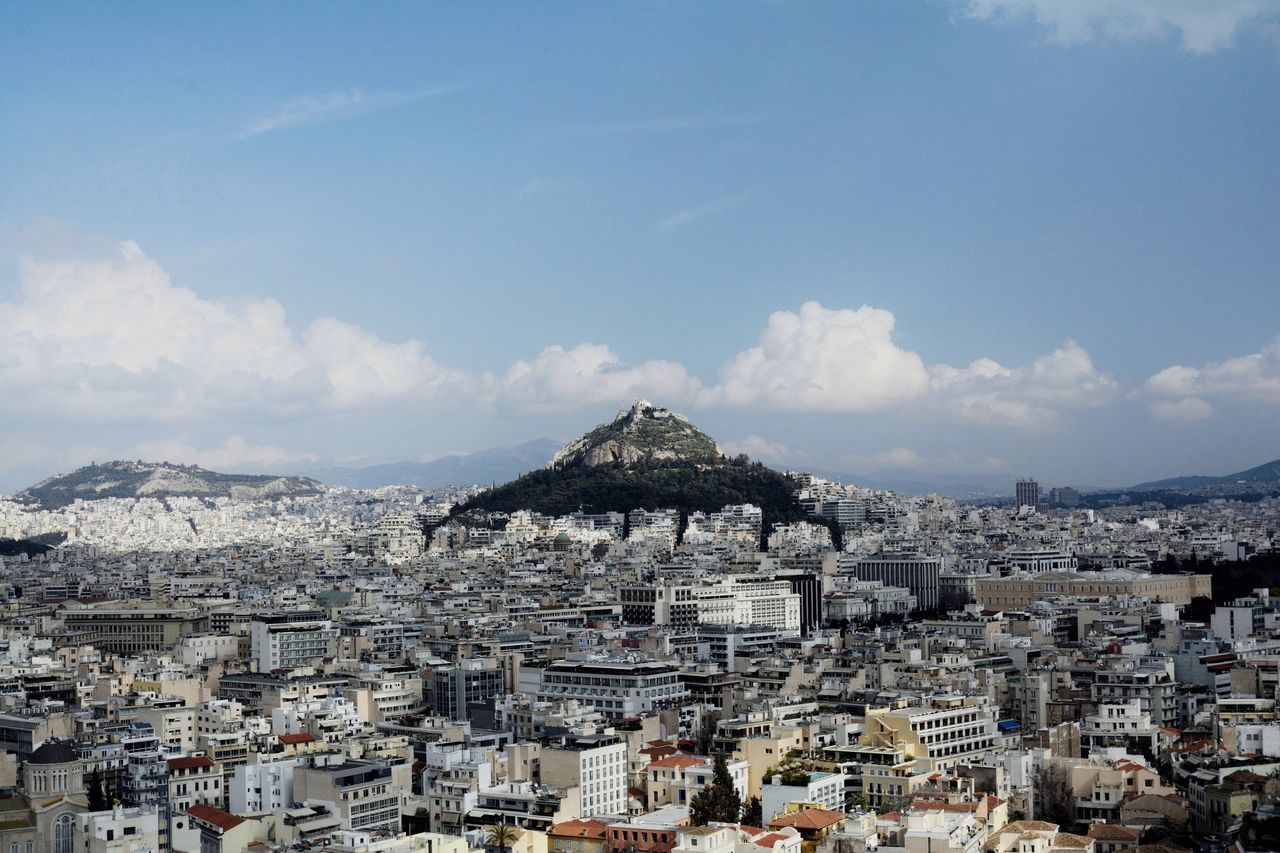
pixel 719 801
pixel 97 797
pixel 753 813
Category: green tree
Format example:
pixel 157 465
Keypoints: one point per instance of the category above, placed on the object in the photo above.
pixel 501 836
pixel 753 814
pixel 720 801
pixel 98 801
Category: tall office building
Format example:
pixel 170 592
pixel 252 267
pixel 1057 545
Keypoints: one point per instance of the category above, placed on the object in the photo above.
pixel 1028 493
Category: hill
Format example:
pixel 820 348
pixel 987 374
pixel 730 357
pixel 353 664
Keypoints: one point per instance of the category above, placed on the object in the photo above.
pixel 496 465
pixel 646 458
pixel 643 433
pixel 123 479
pixel 1266 474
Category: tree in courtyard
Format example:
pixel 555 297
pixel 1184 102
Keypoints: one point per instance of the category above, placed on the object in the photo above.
pixel 719 801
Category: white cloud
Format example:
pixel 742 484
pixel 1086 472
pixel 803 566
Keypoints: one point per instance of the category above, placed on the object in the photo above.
pixel 820 359
pixel 1186 409
pixel 1203 26
pixel 591 374
pixel 1036 395
pixel 334 106
pixel 1180 392
pixel 693 214
pixel 112 338
pixel 763 450
pixel 234 453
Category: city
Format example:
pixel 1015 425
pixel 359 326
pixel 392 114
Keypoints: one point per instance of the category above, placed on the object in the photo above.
pixel 365 670
pixel 648 427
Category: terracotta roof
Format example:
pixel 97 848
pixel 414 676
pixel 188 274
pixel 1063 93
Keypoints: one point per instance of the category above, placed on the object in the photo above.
pixel 769 840
pixel 301 737
pixel 678 761
pixel 580 829
pixel 1067 839
pixel 1113 832
pixel 217 817
pixel 808 819
pixel 190 762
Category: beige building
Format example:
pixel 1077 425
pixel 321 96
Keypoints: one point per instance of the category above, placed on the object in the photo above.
pixel 1017 592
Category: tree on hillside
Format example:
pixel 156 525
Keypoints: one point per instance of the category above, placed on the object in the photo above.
pixel 720 801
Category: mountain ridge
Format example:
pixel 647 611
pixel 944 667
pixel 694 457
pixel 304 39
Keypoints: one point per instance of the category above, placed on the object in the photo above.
pixel 137 479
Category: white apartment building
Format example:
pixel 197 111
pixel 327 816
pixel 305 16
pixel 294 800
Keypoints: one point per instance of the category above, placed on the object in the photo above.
pixel 263 784
pixel 289 645
pixel 825 790
pixel 596 765
pixel 617 687
pixel 735 600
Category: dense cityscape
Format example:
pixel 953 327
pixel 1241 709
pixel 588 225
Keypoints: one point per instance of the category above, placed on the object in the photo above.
pixel 645 427
pixel 374 670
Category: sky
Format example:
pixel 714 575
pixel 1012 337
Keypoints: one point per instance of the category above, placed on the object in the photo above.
pixel 984 237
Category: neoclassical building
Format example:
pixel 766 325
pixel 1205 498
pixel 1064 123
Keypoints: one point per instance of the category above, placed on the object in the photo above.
pixel 45 814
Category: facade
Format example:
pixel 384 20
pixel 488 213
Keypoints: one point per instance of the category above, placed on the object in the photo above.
pixel 616 687
pixel 135 630
pixel 1027 494
pixel 364 795
pixel 450 689
pixel 921 575
pixel 279 642
pixel 595 764
pixel 1018 592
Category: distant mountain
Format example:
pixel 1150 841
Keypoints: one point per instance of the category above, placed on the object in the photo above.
pixel 496 465
pixel 1265 474
pixel 123 479
pixel 647 457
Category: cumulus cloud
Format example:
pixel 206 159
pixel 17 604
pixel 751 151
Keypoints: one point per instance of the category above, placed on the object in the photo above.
pixel 1202 27
pixel 821 359
pixel 1183 393
pixel 844 360
pixel 1036 395
pixel 234 453
pixel 114 338
pixel 591 374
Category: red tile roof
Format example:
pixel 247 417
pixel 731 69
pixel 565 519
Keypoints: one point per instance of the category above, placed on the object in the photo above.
pixel 769 840
pixel 215 816
pixel 580 829
pixel 190 762
pixel 678 761
pixel 301 737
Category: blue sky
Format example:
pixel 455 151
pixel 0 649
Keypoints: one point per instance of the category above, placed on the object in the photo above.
pixel 998 236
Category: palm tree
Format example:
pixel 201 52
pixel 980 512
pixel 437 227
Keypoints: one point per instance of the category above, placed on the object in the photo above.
pixel 501 836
